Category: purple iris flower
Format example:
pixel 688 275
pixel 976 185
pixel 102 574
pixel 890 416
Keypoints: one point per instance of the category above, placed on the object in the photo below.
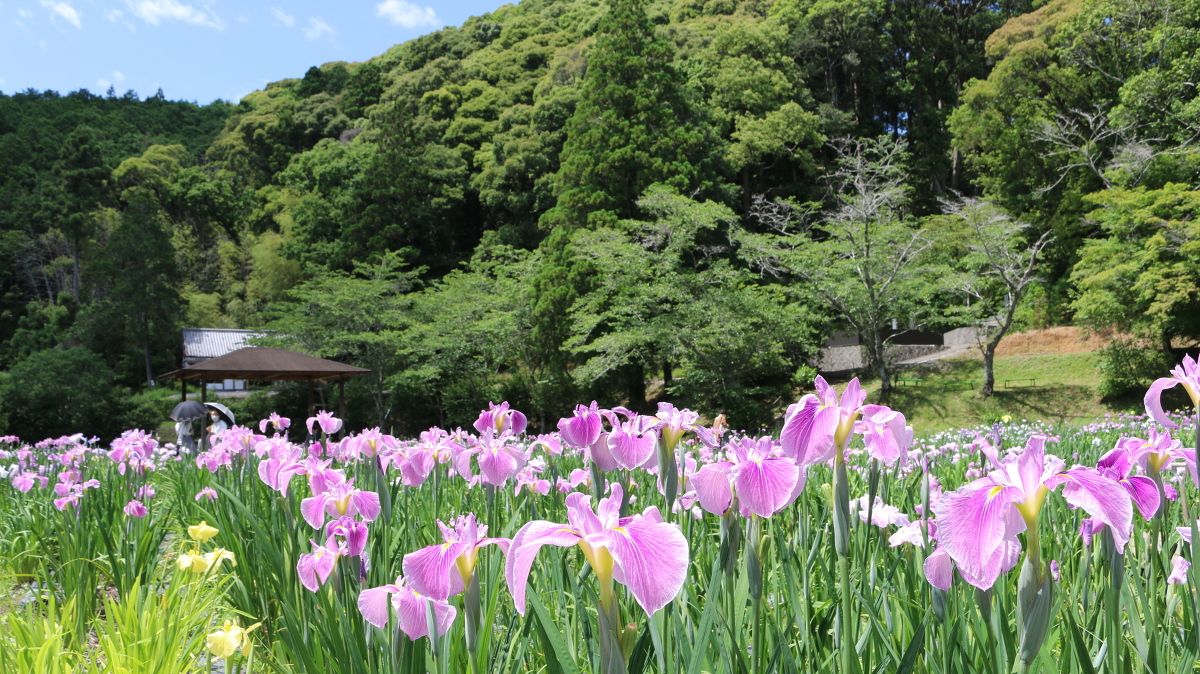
pixel 882 514
pixel 329 424
pixel 978 524
pixel 673 423
pixel 642 552
pixel 340 500
pixel 369 443
pixel 1187 374
pixel 314 568
pixel 1179 570
pixel 1118 465
pixel 353 532
pixel 410 609
pixel 600 454
pixel 1155 453
pixel 816 428
pixel 280 423
pixel 631 442
pixel 762 482
pixel 442 571
pixel 582 429
pixel 24 482
pixel 549 443
pixel 135 509
pixel 500 418
pixel 276 472
pixel 498 457
pixel 886 435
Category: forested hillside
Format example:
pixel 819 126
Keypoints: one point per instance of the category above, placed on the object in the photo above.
pixel 626 200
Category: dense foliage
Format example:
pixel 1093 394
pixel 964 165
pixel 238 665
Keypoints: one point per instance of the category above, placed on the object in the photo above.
pixel 632 201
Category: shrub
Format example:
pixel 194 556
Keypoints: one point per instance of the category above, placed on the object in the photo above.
pixel 1127 367
pixel 59 392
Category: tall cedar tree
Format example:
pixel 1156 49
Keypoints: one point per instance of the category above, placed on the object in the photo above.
pixel 134 281
pixel 633 126
pixel 83 178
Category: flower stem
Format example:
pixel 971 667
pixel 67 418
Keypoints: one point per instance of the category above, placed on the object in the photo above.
pixel 847 638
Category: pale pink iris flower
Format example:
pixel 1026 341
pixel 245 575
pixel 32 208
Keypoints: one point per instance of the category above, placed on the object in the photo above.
pixel 410 609
pixel 1186 374
pixel 978 524
pixel 444 570
pixel 328 423
pixel 642 552
pixel 759 480
pixel 583 428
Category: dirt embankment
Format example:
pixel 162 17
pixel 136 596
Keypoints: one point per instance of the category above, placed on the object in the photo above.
pixel 1065 339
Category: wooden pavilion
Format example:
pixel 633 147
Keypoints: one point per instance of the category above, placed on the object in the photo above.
pixel 263 363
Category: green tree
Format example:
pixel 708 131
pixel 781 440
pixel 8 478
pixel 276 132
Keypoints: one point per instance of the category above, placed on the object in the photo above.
pixel 667 297
pixel 356 317
pixel 633 125
pixel 83 174
pixel 135 307
pixel 468 334
pixel 864 257
pixel 999 267
pixel 1143 275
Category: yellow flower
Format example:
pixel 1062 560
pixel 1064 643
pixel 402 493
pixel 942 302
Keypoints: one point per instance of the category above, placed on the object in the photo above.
pixel 194 562
pixel 201 532
pixel 1006 418
pixel 225 642
pixel 214 558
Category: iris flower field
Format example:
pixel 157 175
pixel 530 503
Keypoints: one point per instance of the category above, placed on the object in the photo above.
pixel 621 543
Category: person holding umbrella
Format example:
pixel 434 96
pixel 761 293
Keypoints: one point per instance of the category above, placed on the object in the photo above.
pixel 183 435
pixel 183 415
pixel 221 417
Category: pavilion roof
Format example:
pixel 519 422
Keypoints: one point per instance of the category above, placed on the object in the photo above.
pixel 267 364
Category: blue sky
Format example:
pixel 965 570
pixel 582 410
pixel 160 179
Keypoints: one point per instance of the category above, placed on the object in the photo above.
pixel 200 50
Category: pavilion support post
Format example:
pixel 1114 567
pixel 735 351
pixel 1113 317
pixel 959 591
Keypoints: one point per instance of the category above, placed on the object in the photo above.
pixel 203 419
pixel 342 404
pixel 183 385
pixel 310 406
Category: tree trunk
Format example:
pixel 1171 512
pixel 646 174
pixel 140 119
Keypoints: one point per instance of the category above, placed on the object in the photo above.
pixel 667 377
pixel 989 371
pixel 1166 342
pixel 74 265
pixel 149 371
pixel 746 189
pixel 878 349
pixel 636 387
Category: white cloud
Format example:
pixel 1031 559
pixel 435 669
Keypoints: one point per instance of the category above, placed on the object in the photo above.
pixel 407 14
pixel 317 28
pixel 105 83
pixel 64 10
pixel 155 11
pixel 283 17
pixel 117 16
pixel 25 14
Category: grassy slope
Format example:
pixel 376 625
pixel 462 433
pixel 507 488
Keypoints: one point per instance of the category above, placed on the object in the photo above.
pixel 1065 391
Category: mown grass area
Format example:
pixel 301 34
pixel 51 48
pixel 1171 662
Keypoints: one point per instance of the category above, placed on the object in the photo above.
pixel 1064 391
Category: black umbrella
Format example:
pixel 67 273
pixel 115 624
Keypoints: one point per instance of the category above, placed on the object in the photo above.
pixel 188 410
